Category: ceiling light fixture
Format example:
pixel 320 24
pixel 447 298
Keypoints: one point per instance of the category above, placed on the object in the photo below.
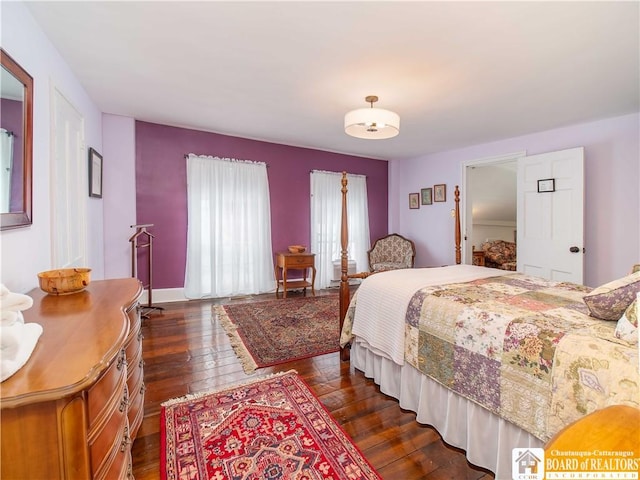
pixel 374 123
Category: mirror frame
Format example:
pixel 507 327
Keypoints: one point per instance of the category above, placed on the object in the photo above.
pixel 25 217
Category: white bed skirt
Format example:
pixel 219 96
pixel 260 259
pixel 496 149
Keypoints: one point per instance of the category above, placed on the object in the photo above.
pixel 487 439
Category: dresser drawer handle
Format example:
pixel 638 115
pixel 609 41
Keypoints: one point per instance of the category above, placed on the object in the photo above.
pixel 122 360
pixel 126 440
pixel 124 403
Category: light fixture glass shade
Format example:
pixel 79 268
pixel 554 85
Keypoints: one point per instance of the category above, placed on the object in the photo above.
pixel 374 123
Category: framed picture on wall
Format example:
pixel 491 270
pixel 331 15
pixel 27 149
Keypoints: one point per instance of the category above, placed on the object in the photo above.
pixel 95 174
pixel 414 200
pixel 547 185
pixel 440 193
pixel 426 195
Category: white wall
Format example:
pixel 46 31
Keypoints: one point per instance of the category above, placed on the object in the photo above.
pixel 26 251
pixel 612 199
pixel 119 187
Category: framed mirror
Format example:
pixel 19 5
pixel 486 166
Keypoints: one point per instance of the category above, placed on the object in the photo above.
pixel 16 144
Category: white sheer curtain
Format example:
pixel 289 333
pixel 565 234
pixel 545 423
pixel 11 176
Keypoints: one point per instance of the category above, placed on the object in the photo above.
pixel 6 169
pixel 326 209
pixel 229 228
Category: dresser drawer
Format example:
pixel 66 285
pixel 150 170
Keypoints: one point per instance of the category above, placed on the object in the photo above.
pixel 136 411
pixel 111 439
pixel 135 366
pixel 135 373
pixel 133 345
pixel 109 385
pixel 136 395
pixel 120 468
pixel 300 261
pixel 134 317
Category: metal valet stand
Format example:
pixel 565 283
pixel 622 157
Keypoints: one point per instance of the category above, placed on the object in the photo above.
pixel 140 240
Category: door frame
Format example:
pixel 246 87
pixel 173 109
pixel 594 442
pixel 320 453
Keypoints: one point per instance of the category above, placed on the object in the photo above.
pixel 465 207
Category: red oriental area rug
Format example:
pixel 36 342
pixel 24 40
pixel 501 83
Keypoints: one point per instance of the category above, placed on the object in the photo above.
pixel 271 428
pixel 280 331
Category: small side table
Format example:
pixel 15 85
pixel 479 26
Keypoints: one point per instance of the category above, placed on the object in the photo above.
pixel 294 261
pixel 478 257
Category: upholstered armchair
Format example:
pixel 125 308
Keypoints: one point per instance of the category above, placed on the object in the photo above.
pixel 499 254
pixel 391 252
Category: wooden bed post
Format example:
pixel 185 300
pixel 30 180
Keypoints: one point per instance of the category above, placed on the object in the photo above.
pixel 344 264
pixel 456 195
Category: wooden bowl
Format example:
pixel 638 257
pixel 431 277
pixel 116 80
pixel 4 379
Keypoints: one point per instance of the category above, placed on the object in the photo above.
pixel 297 248
pixel 64 281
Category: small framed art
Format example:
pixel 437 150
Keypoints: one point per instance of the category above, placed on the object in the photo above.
pixel 426 195
pixel 440 193
pixel 95 174
pixel 547 185
pixel 414 200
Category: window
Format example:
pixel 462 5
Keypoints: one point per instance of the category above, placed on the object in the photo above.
pixel 229 228
pixel 326 211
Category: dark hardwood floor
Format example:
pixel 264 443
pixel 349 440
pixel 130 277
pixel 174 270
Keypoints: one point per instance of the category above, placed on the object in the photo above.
pixel 186 350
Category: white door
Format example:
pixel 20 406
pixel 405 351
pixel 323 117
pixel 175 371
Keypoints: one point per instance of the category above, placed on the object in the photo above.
pixel 550 215
pixel 69 186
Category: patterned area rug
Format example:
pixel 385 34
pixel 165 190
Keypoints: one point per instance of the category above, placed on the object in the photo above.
pixel 279 331
pixel 271 428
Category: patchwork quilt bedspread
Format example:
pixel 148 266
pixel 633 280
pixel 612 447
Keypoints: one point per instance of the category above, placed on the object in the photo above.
pixel 522 347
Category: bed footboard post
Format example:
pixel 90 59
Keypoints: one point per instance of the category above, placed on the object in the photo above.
pixel 344 264
pixel 456 195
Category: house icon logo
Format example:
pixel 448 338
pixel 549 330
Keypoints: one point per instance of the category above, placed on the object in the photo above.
pixel 527 464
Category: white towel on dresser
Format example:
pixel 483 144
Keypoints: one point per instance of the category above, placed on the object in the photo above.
pixel 10 340
pixel 17 339
pixel 18 342
pixel 9 318
pixel 13 302
pixel 383 299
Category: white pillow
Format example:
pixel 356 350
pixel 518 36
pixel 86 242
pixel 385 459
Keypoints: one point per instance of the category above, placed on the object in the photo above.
pixel 627 327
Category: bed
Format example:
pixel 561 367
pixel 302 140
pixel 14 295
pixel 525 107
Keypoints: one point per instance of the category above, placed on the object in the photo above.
pixel 494 360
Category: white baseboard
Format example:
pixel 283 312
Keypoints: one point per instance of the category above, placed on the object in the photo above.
pixel 164 295
pixel 168 295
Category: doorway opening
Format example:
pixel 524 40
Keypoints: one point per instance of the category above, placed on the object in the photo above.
pixel 489 201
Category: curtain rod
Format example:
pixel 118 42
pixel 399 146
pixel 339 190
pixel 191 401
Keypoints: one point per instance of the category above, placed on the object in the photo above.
pixel 186 155
pixel 338 173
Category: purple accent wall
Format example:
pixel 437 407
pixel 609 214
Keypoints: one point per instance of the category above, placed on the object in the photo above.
pixel 161 191
pixel 11 120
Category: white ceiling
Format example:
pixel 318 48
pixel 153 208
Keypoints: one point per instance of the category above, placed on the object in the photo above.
pixel 457 73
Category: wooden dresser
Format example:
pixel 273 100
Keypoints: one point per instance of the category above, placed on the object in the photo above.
pixel 75 407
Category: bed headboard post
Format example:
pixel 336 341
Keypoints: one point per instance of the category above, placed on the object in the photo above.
pixel 456 195
pixel 344 257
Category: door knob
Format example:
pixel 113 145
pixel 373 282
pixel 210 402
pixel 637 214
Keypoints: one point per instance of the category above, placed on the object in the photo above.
pixel 574 249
